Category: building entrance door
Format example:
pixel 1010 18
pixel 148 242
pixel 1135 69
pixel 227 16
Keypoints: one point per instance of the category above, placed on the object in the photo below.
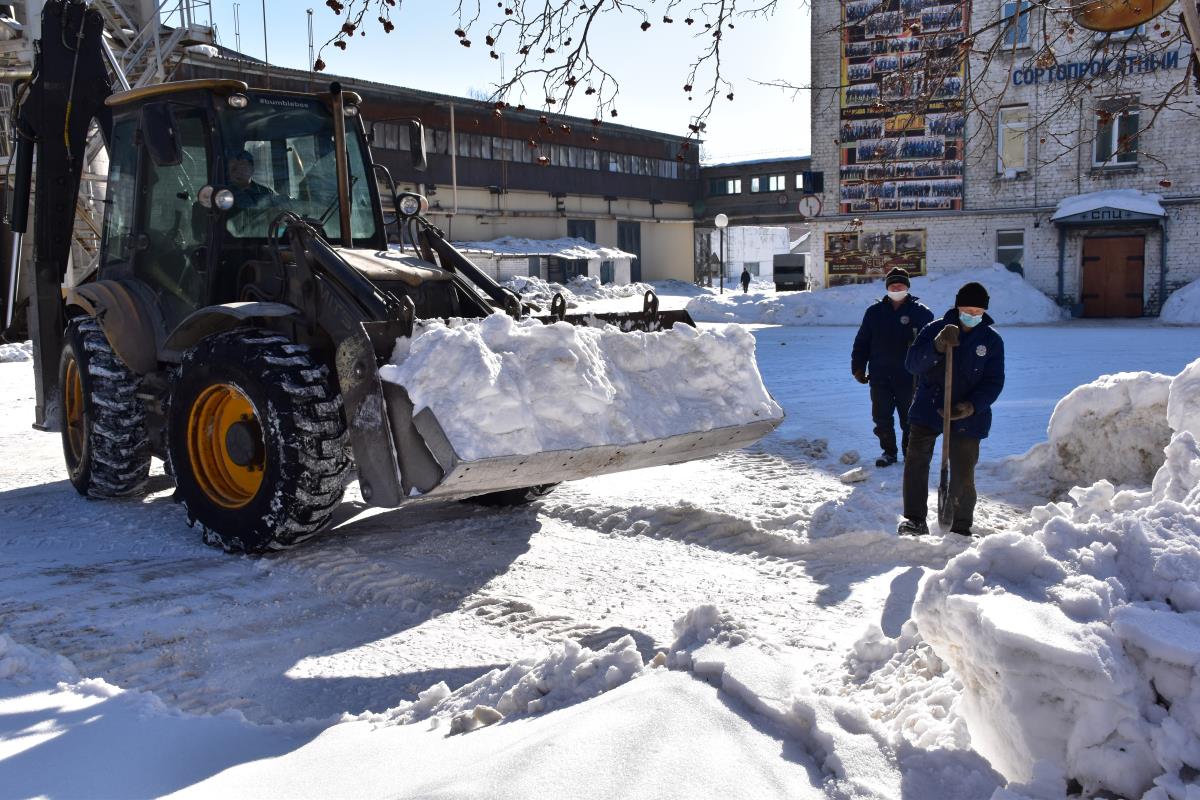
pixel 1114 272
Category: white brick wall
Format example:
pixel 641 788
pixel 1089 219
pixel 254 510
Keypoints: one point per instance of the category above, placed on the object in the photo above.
pixel 1060 157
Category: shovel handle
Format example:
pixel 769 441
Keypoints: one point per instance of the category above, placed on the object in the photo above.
pixel 946 405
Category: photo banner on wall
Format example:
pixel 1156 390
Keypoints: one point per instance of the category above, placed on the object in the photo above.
pixel 902 112
pixel 864 257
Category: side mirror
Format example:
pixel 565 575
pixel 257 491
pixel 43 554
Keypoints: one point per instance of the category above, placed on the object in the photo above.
pixel 416 145
pixel 158 134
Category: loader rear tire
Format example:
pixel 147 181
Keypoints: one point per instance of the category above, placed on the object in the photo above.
pixel 257 441
pixel 513 497
pixel 102 420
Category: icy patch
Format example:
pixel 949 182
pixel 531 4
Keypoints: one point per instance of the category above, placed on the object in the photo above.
pixel 1014 301
pixel 20 351
pixel 1183 306
pixel 501 387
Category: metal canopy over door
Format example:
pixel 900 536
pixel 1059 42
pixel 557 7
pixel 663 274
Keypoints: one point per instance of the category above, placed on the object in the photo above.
pixel 1114 273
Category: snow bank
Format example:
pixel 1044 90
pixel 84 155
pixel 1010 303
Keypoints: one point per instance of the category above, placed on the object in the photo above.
pixel 1183 306
pixel 570 673
pixel 1113 428
pixel 21 351
pixel 1014 301
pixel 503 387
pixel 581 288
pixel 1077 640
pixel 570 248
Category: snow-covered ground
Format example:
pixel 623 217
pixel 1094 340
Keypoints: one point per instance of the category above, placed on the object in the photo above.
pixel 742 626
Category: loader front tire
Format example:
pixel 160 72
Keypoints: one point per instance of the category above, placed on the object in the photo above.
pixel 257 441
pixel 102 420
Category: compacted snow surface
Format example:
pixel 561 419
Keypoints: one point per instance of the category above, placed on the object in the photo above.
pixel 746 626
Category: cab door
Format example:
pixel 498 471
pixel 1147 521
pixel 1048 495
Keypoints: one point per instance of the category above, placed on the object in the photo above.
pixel 171 233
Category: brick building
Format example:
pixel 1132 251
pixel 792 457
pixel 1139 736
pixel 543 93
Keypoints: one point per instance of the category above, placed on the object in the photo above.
pixel 975 171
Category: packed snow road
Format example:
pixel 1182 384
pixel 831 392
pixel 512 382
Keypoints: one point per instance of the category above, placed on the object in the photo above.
pixel 389 603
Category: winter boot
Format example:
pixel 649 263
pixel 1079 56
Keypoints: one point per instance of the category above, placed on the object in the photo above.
pixel 961 532
pixel 912 527
pixel 886 460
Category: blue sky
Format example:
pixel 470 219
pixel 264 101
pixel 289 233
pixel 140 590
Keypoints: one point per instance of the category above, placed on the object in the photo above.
pixel 652 67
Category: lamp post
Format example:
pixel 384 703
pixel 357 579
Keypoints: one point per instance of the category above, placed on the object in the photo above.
pixel 721 221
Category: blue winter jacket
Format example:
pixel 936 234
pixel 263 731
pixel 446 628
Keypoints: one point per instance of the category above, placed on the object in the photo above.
pixel 978 375
pixel 885 335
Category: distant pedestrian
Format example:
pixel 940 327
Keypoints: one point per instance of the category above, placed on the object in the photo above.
pixel 745 280
pixel 888 328
pixel 976 382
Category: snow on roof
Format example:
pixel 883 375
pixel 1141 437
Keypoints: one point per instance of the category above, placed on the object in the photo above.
pixel 797 242
pixel 1128 199
pixel 562 248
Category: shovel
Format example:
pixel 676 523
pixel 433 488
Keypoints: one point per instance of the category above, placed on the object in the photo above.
pixel 945 506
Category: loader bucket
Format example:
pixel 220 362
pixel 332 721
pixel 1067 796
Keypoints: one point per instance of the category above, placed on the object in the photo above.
pixel 403 451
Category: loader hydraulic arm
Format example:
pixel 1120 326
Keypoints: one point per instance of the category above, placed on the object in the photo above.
pixel 65 95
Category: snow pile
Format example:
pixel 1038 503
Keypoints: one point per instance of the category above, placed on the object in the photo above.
pixel 21 351
pixel 1183 306
pixel 1077 641
pixel 502 387
pixel 569 248
pixel 1113 428
pixel 1013 301
pixel 581 288
pixel 570 673
pixel 1133 200
pixel 21 664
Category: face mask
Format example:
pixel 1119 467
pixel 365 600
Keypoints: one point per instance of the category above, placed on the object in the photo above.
pixel 970 320
pixel 898 296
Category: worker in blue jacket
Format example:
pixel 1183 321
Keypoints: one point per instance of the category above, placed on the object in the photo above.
pixel 976 382
pixel 888 328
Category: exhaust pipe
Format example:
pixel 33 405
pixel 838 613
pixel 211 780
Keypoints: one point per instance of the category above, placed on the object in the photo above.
pixel 343 163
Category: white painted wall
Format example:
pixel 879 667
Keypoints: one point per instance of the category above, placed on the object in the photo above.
pixel 751 243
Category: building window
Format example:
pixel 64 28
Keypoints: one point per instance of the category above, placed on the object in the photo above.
pixel 1016 31
pixel 1117 124
pixel 758 184
pixel 799 181
pixel 582 229
pixel 751 267
pixel 1010 250
pixel 777 183
pixel 720 186
pixel 1012 140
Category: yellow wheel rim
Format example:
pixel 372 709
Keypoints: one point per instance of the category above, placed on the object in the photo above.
pixel 214 413
pixel 73 410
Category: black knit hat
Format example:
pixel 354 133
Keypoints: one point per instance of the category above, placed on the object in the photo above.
pixel 897 275
pixel 972 295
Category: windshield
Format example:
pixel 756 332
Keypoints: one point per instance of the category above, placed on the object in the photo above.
pixel 279 156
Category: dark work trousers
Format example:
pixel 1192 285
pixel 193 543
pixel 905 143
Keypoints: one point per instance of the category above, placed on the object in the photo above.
pixel 891 396
pixel 964 455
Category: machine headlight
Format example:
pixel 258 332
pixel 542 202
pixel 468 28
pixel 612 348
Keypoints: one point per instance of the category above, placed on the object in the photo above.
pixel 350 111
pixel 205 196
pixel 223 199
pixel 237 101
pixel 410 205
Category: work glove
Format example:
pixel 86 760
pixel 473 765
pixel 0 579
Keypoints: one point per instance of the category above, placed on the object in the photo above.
pixel 960 410
pixel 860 375
pixel 947 337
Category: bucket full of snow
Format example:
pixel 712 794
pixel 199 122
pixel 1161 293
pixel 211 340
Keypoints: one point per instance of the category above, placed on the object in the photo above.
pixel 478 406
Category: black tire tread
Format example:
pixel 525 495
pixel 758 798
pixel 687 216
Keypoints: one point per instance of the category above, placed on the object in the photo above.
pixel 120 448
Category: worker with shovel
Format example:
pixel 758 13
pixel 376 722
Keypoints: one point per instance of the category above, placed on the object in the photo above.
pixel 959 362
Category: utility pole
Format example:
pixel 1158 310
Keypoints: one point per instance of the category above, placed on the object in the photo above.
pixel 721 221
pixel 237 28
pixel 266 54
